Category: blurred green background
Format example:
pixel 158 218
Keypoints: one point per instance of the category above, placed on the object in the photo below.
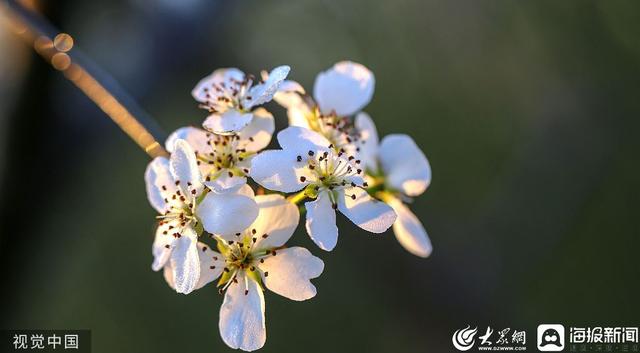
pixel 527 111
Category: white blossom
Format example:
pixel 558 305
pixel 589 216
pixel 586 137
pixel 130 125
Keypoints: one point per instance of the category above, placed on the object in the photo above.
pixel 175 189
pixel 339 93
pixel 248 261
pixel 403 169
pixel 309 161
pixel 225 160
pixel 229 95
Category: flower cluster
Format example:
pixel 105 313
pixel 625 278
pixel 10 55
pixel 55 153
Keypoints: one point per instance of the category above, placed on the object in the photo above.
pixel 330 159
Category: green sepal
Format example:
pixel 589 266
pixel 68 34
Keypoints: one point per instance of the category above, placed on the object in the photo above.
pixel 254 275
pixel 225 277
pixel 199 228
pixel 223 248
pixel 310 191
pixel 202 195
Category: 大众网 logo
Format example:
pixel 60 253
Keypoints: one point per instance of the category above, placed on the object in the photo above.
pixel 463 339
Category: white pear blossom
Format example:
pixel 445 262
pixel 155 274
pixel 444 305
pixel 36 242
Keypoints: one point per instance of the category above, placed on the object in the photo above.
pixel 402 171
pixel 308 161
pixel 175 189
pixel 252 259
pixel 229 95
pixel 340 92
pixel 225 160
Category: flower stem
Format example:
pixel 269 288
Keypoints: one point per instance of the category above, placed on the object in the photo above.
pixel 297 198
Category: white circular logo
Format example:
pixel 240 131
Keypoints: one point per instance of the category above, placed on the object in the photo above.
pixel 463 339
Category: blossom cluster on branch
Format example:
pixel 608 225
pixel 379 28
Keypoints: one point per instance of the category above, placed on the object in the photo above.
pixel 330 160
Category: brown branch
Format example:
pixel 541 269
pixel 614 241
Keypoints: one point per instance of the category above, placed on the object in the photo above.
pixel 98 86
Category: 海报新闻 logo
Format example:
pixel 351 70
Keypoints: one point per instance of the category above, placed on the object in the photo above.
pixel 463 339
pixel 550 338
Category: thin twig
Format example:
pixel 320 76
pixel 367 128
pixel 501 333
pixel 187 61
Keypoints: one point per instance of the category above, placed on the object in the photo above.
pixel 56 48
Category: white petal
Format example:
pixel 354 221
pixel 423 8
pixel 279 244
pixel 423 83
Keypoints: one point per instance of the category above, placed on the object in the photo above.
pixel 289 272
pixel 409 231
pixel 225 182
pixel 211 266
pixel 262 93
pixel 159 248
pixel 368 142
pixel 321 222
pixel 277 170
pixel 242 316
pixel 228 123
pixel 365 211
pixel 300 140
pixel 226 213
pixel 257 134
pixel 298 114
pixel 195 137
pixel 345 88
pixel 278 219
pixel 289 93
pixel 405 166
pixel 185 261
pixel 168 275
pixel 184 167
pixel 218 76
pixel 245 190
pixel 155 176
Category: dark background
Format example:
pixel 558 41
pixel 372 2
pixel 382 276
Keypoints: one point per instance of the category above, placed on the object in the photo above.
pixel 527 111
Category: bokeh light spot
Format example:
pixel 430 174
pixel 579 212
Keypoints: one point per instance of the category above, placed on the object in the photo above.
pixel 60 61
pixel 63 42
